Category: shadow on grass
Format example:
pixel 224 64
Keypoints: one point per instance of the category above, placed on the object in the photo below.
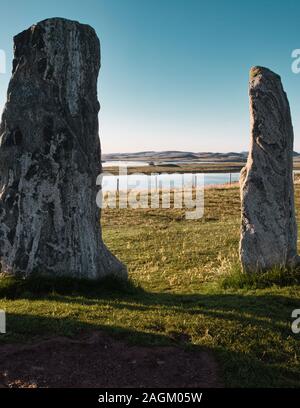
pixel 37 287
pixel 236 369
pixel 260 322
pixel 264 310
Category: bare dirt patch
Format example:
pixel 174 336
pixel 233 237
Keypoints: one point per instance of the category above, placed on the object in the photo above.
pixel 99 360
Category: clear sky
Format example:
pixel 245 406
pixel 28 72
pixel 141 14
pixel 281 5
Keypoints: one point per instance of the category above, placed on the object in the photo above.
pixel 175 72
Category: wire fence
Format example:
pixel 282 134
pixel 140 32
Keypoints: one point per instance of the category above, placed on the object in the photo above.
pixel 211 179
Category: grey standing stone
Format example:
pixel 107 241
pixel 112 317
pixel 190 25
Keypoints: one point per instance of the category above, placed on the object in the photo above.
pixel 268 231
pixel 50 156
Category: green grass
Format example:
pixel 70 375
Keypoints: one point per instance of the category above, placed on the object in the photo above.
pixel 222 167
pixel 279 276
pixel 185 288
pixel 214 167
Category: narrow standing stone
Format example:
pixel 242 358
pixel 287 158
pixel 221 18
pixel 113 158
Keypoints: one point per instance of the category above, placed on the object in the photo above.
pixel 50 156
pixel 269 231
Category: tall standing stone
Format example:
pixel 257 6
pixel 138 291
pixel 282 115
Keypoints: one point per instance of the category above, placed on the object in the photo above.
pixel 269 231
pixel 50 156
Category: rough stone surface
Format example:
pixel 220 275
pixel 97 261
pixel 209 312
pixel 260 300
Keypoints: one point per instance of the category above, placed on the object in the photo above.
pixel 50 156
pixel 268 232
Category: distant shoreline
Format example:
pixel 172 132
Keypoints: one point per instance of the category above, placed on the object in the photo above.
pixel 156 157
pixel 176 156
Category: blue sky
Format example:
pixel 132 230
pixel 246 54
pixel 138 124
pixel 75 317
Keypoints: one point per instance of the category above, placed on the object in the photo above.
pixel 175 72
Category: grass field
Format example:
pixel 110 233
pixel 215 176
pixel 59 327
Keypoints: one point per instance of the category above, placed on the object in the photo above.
pixel 222 167
pixel 214 167
pixel 177 295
